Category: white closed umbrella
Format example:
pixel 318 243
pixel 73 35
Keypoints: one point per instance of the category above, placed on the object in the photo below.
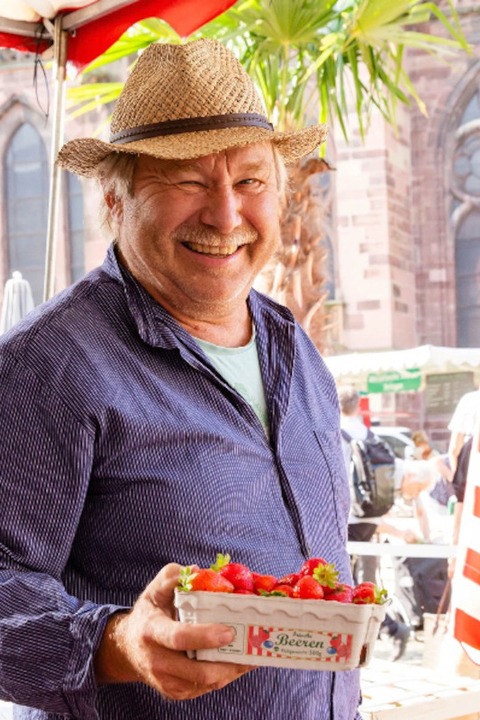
pixel 17 301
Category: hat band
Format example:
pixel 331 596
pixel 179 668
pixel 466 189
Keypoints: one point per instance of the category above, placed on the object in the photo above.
pixel 196 124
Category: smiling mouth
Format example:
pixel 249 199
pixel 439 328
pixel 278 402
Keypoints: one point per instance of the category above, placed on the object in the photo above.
pixel 216 250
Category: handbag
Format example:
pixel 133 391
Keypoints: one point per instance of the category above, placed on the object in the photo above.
pixel 441 651
pixel 435 631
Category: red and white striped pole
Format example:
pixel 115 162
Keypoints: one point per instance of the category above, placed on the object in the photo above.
pixel 466 579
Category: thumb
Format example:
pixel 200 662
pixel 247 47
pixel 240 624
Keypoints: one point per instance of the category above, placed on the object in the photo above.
pixel 160 590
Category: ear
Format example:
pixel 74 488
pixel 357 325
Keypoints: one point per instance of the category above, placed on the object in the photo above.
pixel 114 204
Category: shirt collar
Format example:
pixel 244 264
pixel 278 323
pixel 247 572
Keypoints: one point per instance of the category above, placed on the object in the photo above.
pixel 155 325
pixel 158 328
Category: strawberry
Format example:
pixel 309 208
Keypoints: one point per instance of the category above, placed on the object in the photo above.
pixel 341 593
pixel 367 593
pixel 204 580
pixel 239 575
pixel 283 590
pixel 264 583
pixel 326 575
pixel 309 566
pixel 323 571
pixel 290 579
pixel 308 588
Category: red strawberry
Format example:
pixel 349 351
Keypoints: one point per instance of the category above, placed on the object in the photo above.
pixel 308 588
pixel 285 590
pixel 290 579
pixel 326 575
pixel 309 566
pixel 336 641
pixel 239 575
pixel 204 580
pixel 367 593
pixel 341 593
pixel 343 651
pixel 264 583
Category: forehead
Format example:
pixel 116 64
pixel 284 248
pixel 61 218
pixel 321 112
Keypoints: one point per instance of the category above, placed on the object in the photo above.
pixel 258 156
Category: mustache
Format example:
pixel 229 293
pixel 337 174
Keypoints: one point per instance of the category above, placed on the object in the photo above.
pixel 209 236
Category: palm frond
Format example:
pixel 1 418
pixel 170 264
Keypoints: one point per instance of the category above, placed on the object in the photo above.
pixel 312 56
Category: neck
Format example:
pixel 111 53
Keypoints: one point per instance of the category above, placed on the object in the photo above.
pixel 228 331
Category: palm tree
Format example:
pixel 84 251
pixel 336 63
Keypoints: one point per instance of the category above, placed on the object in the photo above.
pixel 310 59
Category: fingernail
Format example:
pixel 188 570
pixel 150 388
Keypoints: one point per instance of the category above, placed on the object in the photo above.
pixel 225 637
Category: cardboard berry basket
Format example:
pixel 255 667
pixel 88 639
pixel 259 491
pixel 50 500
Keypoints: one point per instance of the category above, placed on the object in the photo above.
pixel 285 632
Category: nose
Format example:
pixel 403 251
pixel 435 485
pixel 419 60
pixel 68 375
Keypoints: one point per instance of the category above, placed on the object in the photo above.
pixel 222 209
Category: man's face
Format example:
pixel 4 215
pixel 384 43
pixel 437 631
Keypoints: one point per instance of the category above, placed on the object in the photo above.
pixel 195 233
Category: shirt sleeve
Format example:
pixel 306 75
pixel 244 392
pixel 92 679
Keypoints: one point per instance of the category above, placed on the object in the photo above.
pixel 459 480
pixel 47 637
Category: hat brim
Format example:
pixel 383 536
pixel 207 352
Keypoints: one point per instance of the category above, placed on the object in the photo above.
pixel 82 156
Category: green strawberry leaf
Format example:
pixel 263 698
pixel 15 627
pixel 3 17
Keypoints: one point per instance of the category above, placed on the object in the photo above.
pixel 185 579
pixel 326 575
pixel 220 562
pixel 381 596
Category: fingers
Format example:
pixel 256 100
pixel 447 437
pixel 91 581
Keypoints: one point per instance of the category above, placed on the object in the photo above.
pixel 153 644
pixel 201 681
pixel 160 590
pixel 186 636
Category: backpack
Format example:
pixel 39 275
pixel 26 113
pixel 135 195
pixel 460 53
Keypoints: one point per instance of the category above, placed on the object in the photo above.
pixel 372 476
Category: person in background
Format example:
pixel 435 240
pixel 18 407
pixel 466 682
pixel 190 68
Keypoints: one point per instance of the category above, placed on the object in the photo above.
pixel 462 424
pixel 418 483
pixel 161 411
pixel 365 567
pixel 423 450
pixel 424 579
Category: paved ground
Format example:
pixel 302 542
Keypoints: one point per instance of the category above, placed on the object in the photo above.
pixel 409 690
pixel 413 653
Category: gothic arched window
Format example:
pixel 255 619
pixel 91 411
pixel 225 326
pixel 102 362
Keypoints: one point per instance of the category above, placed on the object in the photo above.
pixel 466 223
pixel 76 225
pixel 467 270
pixel 26 185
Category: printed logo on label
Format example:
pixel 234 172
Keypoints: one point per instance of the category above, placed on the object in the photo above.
pixel 304 644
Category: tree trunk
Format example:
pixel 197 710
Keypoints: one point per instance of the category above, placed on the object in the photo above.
pixel 297 275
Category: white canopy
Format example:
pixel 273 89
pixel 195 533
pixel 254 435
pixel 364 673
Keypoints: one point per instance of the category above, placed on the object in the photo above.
pixel 427 358
pixel 34 10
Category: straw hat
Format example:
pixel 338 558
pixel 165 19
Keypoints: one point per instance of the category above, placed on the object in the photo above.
pixel 186 101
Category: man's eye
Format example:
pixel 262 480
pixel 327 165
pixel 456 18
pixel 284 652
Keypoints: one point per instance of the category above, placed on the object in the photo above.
pixel 250 181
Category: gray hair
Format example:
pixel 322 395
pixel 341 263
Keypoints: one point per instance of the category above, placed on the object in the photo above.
pixel 349 399
pixel 115 174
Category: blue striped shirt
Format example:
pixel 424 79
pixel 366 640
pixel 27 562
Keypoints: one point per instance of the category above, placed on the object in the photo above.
pixel 123 449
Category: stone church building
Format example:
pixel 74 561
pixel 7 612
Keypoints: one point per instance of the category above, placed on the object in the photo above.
pixel 403 229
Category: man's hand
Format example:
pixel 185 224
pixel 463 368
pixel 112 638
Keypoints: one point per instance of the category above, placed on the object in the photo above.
pixel 147 645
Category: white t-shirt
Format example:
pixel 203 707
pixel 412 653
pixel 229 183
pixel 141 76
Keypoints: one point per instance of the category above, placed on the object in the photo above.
pixel 240 367
pixel 466 414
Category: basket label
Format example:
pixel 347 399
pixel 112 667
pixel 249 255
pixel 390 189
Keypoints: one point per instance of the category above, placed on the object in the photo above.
pixel 288 643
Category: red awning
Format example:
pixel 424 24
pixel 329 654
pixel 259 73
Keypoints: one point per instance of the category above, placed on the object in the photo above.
pixel 94 27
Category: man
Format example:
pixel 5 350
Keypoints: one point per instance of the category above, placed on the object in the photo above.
pixel 161 411
pixel 359 530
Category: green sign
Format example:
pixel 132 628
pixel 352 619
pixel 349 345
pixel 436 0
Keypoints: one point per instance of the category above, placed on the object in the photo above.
pixel 394 381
